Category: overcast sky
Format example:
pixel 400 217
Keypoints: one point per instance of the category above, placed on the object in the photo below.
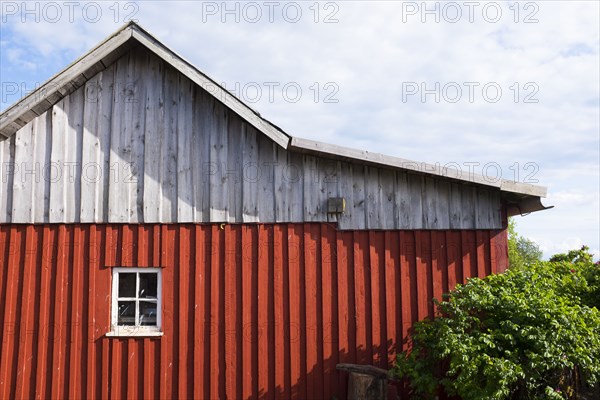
pixel 512 86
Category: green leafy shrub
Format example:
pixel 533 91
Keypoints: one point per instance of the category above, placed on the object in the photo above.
pixel 530 333
pixel 521 250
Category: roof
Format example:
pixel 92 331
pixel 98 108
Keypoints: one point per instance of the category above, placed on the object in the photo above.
pixel 521 198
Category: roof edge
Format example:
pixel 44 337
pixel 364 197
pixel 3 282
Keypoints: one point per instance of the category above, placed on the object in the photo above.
pixel 347 153
pixel 85 67
pixel 62 83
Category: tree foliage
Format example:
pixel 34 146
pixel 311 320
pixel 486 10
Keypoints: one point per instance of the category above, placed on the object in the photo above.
pixel 521 251
pixel 529 333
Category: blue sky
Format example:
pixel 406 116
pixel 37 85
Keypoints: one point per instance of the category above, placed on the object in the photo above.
pixel 503 87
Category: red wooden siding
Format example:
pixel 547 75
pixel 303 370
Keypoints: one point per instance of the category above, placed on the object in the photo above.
pixel 248 311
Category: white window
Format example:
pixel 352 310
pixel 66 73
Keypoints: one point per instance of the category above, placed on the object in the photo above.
pixel 136 302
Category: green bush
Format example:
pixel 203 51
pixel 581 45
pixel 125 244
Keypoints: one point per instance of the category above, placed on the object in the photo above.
pixel 530 333
pixel 521 250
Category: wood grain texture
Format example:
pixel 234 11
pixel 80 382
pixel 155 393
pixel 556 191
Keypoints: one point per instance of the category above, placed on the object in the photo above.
pixel 249 311
pixel 139 142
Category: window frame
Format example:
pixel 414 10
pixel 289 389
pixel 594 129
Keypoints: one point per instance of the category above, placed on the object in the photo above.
pixel 135 330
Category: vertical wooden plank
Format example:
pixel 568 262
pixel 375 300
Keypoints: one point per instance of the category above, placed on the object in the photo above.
pixel 59 138
pixel 286 330
pixel 438 264
pixel 392 297
pixel 219 181
pixel 263 311
pixel 312 313
pixel 483 209
pixel 72 168
pixel 312 208
pixel 43 136
pixel 346 307
pixel 487 237
pixel 44 356
pixel 495 209
pixel 12 318
pixel 115 367
pixel 167 356
pixel 359 220
pixel 233 167
pixel 455 206
pixel 283 186
pixel 105 110
pixel 469 255
pixel 105 392
pixel 7 167
pixel 233 331
pixel 217 295
pixel 373 198
pixel 292 174
pixel 468 208
pixel 494 252
pixel 76 349
pixel 402 209
pixel 185 186
pixel 426 264
pixel 137 84
pixel 133 369
pixel 443 204
pixel 430 204
pixel 26 357
pixel 251 174
pixel 503 256
pixel 147 362
pixel 249 296
pixel 109 244
pixel 22 189
pixel 154 137
pixel 91 171
pixel 417 209
pixel 168 154
pixel 297 306
pixel 201 312
pixel 60 312
pixel 408 284
pixel 328 178
pixel 387 180
pixel 376 259
pixel 280 319
pixel 453 258
pixel 330 308
pixel 120 149
pixel 93 333
pixel 201 156
pixel 184 292
pixel 482 270
pixel 266 183
pixel 362 297
pixel 346 190
pixel 4 250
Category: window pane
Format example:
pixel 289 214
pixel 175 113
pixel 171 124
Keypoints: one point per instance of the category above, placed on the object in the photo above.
pixel 126 284
pixel 126 313
pixel 147 313
pixel 148 285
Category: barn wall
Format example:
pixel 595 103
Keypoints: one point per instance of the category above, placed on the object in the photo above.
pixel 140 142
pixel 249 310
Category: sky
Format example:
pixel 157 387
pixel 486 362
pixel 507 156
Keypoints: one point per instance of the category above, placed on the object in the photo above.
pixel 507 89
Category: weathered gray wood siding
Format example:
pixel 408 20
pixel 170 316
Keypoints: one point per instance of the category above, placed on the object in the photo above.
pixel 139 142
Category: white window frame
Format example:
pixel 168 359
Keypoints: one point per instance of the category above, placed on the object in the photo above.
pixel 136 330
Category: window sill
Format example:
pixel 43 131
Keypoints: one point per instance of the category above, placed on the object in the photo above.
pixel 134 333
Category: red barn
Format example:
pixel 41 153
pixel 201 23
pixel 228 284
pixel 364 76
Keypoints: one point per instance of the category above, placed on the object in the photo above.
pixel 160 239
